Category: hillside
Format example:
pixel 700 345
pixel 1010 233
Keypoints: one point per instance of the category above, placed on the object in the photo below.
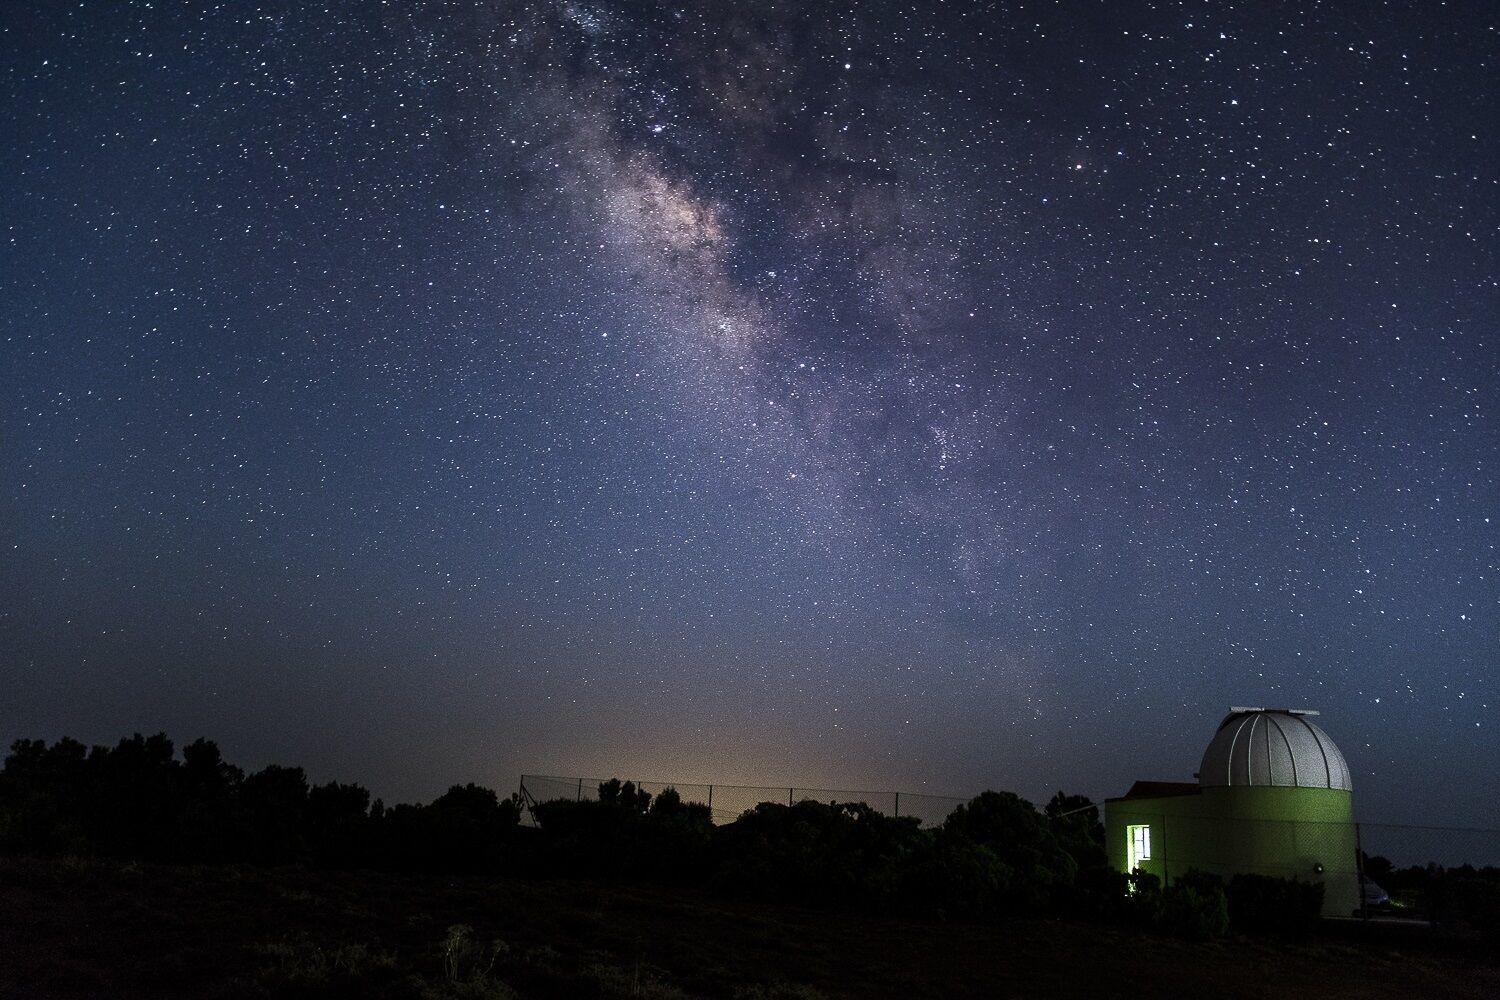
pixel 92 929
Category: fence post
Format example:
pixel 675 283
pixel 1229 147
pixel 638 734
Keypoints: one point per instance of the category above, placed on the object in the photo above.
pixel 710 802
pixel 1359 869
pixel 789 795
pixel 1164 881
pixel 580 790
pixel 898 805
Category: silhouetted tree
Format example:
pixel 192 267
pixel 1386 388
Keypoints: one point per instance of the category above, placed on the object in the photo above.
pixel 338 834
pixel 133 800
pixel 625 795
pixel 815 852
pixel 272 812
pixel 1019 836
pixel 1074 821
pixel 993 857
pixel 43 791
pixel 207 826
pixel 1376 866
pixel 472 823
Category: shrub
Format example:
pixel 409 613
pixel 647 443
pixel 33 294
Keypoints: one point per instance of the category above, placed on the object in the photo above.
pixel 640 980
pixel 952 876
pixel 627 835
pixel 1143 904
pixel 814 852
pixel 587 839
pixel 298 967
pixel 676 840
pixel 466 829
pixel 1074 821
pixel 1019 836
pixel 777 991
pixel 271 811
pixel 1195 907
pixel 626 795
pixel 337 832
pixel 1261 904
pixel 1100 893
pixel 465 959
pixel 1468 896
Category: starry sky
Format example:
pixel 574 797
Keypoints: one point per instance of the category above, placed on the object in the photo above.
pixel 936 396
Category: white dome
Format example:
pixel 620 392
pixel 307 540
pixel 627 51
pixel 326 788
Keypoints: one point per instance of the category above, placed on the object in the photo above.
pixel 1275 746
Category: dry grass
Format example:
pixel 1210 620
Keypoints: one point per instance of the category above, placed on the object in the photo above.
pixel 84 929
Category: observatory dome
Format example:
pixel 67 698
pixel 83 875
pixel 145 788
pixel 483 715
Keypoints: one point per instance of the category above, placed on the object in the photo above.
pixel 1272 746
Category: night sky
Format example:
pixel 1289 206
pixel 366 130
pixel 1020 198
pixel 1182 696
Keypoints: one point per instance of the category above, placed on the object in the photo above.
pixel 930 397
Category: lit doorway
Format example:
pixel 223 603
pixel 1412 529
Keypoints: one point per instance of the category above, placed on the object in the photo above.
pixel 1137 846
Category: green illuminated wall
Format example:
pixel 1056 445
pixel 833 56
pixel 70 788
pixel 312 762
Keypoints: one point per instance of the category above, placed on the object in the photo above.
pixel 1265 830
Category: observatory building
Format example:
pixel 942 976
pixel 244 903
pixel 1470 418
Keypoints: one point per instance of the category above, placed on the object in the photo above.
pixel 1273 797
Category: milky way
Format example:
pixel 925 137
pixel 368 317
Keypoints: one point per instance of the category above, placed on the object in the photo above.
pixel 933 397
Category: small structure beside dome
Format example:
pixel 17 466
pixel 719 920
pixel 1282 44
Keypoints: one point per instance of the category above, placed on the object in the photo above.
pixel 1273 797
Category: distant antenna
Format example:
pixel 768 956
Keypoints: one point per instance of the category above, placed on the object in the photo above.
pixel 1240 709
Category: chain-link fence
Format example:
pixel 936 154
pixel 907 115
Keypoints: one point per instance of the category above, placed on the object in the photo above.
pixel 728 802
pixel 1449 846
pixel 1404 845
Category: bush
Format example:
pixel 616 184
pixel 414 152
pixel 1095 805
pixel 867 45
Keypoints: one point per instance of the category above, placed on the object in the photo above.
pixel 1021 839
pixel 1465 896
pixel 627 835
pixel 1100 893
pixel 676 840
pixel 813 852
pixel 993 857
pixel 1143 904
pixel 952 876
pixel 1261 904
pixel 1195 907
pixel 1074 821
pixel 298 967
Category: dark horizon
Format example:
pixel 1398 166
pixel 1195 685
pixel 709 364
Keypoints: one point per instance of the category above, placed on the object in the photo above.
pixel 904 399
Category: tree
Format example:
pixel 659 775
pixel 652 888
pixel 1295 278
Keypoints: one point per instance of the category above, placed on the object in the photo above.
pixel 43 792
pixel 337 828
pixel 625 795
pixel 1021 839
pixel 1074 821
pixel 272 805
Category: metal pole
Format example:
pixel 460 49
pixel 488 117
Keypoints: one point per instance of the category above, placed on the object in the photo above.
pixel 710 801
pixel 789 796
pixel 580 789
pixel 1164 850
pixel 898 805
pixel 1359 868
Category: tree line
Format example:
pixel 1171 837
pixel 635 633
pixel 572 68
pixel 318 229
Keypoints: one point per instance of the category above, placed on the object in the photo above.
pixel 992 857
pixel 138 801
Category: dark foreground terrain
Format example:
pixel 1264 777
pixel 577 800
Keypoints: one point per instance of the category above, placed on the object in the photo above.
pixel 75 929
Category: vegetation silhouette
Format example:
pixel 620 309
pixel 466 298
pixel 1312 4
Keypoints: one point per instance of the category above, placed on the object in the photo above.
pixel 994 857
pixel 136 801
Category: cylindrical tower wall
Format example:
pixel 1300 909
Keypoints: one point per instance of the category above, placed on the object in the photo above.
pixel 1301 833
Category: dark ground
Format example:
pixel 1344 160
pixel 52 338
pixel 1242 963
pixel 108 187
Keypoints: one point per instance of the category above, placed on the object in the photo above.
pixel 98 929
